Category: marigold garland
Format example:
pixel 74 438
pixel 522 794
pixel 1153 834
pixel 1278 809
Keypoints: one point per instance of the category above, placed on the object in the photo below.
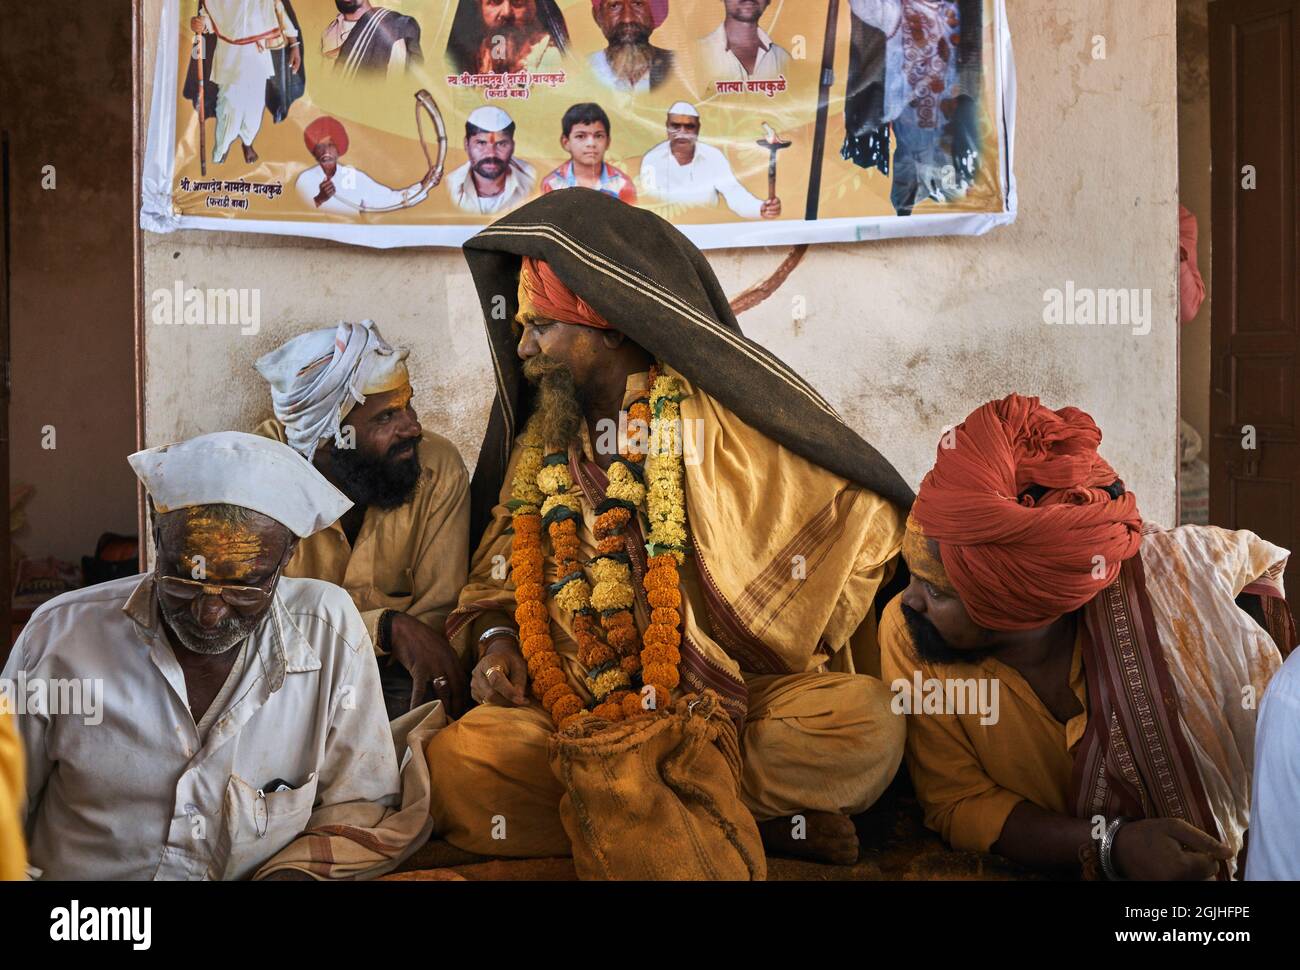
pixel 649 471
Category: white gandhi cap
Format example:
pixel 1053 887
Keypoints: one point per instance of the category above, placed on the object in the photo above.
pixel 234 468
pixel 684 108
pixel 490 118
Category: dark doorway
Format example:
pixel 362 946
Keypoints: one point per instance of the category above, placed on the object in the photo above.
pixel 1254 409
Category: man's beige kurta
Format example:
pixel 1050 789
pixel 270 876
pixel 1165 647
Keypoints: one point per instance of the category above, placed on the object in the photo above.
pixel 782 532
pixel 135 790
pixel 411 559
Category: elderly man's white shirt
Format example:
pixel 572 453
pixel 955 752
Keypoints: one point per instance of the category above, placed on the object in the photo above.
pixel 701 182
pixel 141 795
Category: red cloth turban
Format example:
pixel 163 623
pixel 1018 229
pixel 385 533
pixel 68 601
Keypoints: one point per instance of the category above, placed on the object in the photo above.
pixel 322 128
pixel 1020 561
pixel 658 11
pixel 541 292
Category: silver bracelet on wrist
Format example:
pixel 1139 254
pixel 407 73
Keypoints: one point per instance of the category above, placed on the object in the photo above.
pixel 1107 846
pixel 498 631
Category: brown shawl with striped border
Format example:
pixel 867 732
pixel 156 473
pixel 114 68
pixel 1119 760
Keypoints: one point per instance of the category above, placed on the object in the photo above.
pixel 1167 655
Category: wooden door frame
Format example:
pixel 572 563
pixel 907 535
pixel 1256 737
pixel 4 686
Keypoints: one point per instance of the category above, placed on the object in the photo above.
pixel 137 252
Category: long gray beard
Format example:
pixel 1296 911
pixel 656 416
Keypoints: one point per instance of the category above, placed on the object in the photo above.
pixel 557 417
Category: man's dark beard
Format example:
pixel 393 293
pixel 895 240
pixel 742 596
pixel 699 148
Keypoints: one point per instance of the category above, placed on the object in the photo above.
pixel 496 164
pixel 384 482
pixel 558 412
pixel 933 648
pixel 347 6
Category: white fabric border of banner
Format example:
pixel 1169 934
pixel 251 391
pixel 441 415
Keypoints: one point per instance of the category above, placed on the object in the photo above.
pixel 157 214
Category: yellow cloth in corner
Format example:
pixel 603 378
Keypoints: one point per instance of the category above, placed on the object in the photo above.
pixel 13 851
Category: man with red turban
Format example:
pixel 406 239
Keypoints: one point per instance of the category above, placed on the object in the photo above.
pixel 1123 672
pixel 711 527
pixel 332 187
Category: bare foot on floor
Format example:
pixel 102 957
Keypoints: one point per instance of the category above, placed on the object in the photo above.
pixel 250 156
pixel 819 836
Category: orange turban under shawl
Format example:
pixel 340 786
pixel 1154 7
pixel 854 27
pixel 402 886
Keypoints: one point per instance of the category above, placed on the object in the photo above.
pixel 542 293
pixel 1021 560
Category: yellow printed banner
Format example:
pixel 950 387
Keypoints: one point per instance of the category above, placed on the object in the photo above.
pixel 743 122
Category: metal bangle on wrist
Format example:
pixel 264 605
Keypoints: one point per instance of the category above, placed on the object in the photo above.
pixel 1107 847
pixel 489 634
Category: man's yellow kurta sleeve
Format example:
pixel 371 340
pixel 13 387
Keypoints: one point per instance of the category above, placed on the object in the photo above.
pixel 13 853
pixel 961 802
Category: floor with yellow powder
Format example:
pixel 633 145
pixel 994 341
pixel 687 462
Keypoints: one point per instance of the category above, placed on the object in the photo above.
pixel 896 846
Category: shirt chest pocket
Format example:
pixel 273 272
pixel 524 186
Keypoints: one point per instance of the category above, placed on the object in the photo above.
pixel 259 823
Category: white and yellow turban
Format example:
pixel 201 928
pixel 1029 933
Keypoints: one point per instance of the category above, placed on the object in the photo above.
pixel 318 377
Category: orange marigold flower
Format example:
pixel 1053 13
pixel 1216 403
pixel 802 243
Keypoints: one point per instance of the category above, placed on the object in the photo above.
pixel 564 527
pixel 663 561
pixel 528 574
pixel 555 693
pixel 540 661
pixel 660 653
pixel 662 635
pixel 623 618
pixel 666 617
pixel 609 711
pixel 610 544
pixel 665 598
pixel 565 708
pixel 527 525
pixel 630 664
pixel 662 675
pixel 531 610
pixel 632 705
pixel 599 654
pixel 535 644
pixel 622 639
pixel 547 679
pixel 534 628
pixel 528 591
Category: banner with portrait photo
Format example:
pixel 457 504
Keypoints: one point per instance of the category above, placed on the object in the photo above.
pixel 743 122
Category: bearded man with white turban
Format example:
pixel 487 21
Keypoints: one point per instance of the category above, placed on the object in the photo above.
pixel 402 549
pixel 1129 660
pixel 240 731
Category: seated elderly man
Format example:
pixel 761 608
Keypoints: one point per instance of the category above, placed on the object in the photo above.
pixel 1117 676
pixel 241 730
pixel 342 400
pixel 627 398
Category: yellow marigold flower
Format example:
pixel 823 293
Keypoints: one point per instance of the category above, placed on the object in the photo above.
pixel 608 681
pixel 612 596
pixel 524 485
pixel 574 596
pixel 554 479
pixel 610 571
pixel 554 501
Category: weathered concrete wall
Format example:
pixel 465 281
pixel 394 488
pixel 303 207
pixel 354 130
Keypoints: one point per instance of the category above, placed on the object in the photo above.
pixel 904 337
pixel 65 99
